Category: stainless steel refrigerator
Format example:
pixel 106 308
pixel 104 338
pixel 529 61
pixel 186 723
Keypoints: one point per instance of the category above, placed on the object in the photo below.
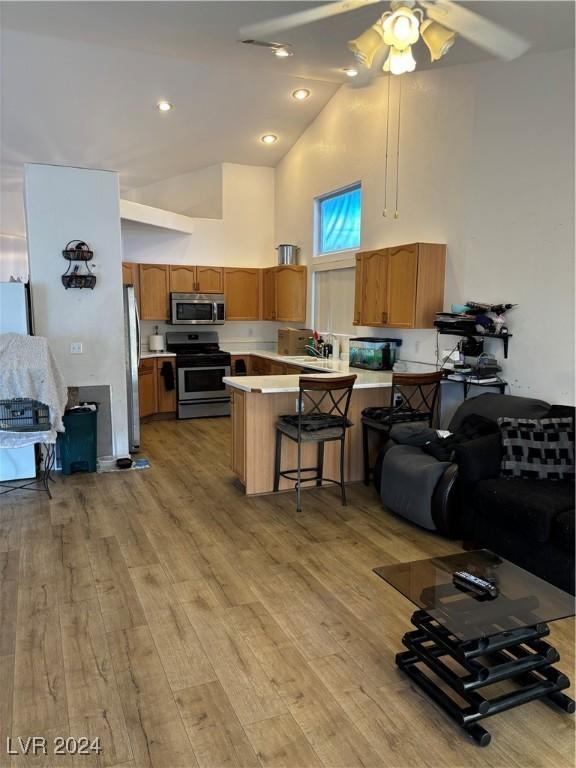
pixel 132 345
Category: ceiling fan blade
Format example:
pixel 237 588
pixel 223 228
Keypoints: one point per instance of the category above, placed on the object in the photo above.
pixel 264 29
pixel 477 29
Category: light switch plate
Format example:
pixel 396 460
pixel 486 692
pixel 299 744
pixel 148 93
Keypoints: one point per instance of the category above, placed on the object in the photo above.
pixel 76 348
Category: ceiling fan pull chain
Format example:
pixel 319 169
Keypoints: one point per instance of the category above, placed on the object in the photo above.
pixel 385 211
pixel 396 212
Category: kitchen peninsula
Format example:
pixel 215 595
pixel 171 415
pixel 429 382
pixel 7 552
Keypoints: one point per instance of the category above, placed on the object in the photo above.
pixel 258 402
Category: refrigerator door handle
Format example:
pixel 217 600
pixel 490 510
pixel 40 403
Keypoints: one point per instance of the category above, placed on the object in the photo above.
pixel 137 330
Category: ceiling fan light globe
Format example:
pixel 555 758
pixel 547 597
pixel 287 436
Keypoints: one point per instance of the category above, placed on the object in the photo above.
pixel 401 29
pixel 400 62
pixel 364 46
pixel 438 39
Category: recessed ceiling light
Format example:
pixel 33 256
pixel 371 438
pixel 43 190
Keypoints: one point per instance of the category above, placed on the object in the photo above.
pixel 300 94
pixel 269 138
pixel 350 71
pixel 282 51
pixel 164 106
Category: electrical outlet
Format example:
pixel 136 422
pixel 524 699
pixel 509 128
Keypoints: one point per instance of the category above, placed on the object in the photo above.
pixel 76 348
pixel 417 347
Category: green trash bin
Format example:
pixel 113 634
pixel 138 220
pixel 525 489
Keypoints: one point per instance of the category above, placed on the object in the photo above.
pixel 78 444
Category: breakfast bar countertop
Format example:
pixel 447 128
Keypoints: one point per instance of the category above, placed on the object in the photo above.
pixel 278 383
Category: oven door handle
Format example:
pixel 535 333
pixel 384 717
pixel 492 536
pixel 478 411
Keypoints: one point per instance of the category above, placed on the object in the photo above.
pixel 205 368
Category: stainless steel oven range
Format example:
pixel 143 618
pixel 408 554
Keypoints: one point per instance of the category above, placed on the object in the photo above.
pixel 200 367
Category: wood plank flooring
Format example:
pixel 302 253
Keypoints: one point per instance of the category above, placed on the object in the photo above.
pixel 186 625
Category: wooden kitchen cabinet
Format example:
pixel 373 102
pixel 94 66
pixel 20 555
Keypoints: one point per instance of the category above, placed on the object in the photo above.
pixel 291 283
pixel 269 293
pixel 147 387
pixel 400 287
pixel 273 293
pixel 166 397
pixel 284 294
pixel 182 278
pixel 185 278
pixel 259 366
pixel 154 291
pixel 210 279
pixel 242 293
pixel 154 397
pixel 374 290
pixel 131 276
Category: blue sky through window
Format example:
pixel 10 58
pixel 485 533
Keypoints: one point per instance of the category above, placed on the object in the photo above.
pixel 339 220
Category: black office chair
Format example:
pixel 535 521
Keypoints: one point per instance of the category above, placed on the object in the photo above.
pixel 414 398
pixel 313 425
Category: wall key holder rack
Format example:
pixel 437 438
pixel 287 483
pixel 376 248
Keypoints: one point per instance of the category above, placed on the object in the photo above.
pixel 77 252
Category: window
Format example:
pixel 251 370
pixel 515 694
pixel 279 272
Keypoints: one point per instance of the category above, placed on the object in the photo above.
pixel 338 220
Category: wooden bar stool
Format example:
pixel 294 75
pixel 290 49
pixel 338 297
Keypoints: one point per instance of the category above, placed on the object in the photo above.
pixel 414 398
pixel 312 424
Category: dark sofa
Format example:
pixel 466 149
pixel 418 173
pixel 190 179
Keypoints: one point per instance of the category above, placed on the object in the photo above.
pixel 423 489
pixel 530 522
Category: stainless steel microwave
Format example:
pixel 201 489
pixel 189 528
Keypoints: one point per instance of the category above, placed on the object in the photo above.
pixel 197 309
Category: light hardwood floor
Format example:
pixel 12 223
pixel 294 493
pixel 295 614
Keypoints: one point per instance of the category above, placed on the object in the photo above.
pixel 186 625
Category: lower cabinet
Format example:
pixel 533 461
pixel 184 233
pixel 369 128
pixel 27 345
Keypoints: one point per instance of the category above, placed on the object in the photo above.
pixel 153 395
pixel 166 397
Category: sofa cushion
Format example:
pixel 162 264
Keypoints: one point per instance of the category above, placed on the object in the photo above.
pixel 562 531
pixel 526 506
pixel 539 449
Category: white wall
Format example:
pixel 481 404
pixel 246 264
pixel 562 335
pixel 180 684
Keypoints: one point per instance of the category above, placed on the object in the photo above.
pixel 243 237
pixel 196 194
pixel 64 203
pixel 486 166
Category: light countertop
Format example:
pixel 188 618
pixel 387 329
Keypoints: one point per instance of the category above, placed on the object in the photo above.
pixel 148 355
pixel 275 384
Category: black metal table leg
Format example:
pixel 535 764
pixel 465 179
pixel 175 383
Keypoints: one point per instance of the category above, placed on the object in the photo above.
pixel 520 657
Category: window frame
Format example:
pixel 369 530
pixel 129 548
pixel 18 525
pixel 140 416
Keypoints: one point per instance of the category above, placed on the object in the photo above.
pixel 325 256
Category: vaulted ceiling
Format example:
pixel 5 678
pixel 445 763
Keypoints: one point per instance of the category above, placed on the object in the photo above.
pixel 81 81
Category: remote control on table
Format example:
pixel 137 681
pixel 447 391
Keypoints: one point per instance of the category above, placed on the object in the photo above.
pixel 475 584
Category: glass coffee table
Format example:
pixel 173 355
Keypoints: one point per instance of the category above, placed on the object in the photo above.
pixel 471 641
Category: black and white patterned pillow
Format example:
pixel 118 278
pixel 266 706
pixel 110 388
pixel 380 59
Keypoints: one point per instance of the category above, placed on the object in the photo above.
pixel 538 449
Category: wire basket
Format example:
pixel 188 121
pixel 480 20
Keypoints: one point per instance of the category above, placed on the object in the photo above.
pixel 23 414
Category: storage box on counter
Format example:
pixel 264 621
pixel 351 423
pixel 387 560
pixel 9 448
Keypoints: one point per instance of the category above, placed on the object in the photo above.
pixel 293 341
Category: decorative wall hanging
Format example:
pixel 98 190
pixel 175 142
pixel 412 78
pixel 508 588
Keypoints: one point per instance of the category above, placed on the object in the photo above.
pixel 78 253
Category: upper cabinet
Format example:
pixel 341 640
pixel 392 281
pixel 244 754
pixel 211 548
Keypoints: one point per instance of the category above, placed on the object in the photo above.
pixel 182 278
pixel 291 294
pixel 154 291
pixel 131 276
pixel 251 293
pixel 185 278
pixel 400 287
pixel 210 279
pixel 284 294
pixel 242 293
pixel 269 293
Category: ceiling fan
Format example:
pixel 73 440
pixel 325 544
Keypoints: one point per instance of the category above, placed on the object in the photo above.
pixel 387 44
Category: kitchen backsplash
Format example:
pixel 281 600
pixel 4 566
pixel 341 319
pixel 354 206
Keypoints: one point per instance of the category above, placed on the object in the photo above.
pixel 236 337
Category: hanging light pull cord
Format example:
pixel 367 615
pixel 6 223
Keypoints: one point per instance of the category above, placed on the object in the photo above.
pixel 385 211
pixel 397 212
